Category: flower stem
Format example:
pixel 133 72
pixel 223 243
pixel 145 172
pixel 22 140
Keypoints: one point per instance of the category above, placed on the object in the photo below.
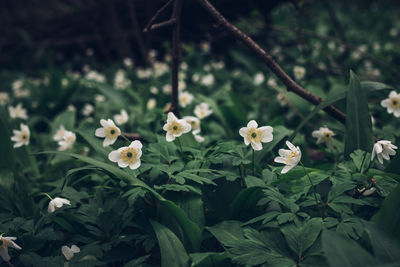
pixel 312 185
pixel 253 162
pixel 47 195
pixel 362 162
pixel 126 139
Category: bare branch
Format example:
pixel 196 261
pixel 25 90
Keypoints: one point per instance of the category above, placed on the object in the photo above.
pixel 162 24
pixel 270 62
pixel 156 15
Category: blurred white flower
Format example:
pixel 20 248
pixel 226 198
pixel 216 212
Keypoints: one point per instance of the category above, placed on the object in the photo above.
pixel 272 83
pixel 64 82
pixel 258 78
pixel 57 203
pixel 71 108
pixel 282 99
pixel 195 77
pixel 393 32
pixel 181 85
pixel 160 68
pixel 87 110
pixel 21 137
pixel 7 241
pixel 185 98
pixel 236 73
pixel 299 72
pixel 154 90
pixel 198 137
pixel 93 75
pixel 202 110
pixel 59 133
pixel 254 136
pixel 17 84
pixel 332 45
pixel 289 157
pixel 205 46
pixel 367 192
pixel 377 47
pixel 151 103
pixel 175 127
pixel 67 142
pixel 167 89
pixel 208 80
pixel 128 62
pixel 4 98
pixel 17 112
pixel 120 80
pixel 194 123
pixel 69 252
pixel 383 149
pixel 99 98
pixel 121 118
pixel 323 135
pixel 218 65
pixel 128 155
pixel 184 66
pixel 109 132
pixel 143 73
pixel 392 104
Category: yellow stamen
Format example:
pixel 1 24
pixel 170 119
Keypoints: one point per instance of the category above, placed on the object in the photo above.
pixel 111 132
pixel 395 102
pixel 254 135
pixel 175 128
pixel 129 155
pixel 292 154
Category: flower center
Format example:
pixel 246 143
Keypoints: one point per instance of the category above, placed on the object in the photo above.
pixel 292 155
pixel 24 137
pixel 395 102
pixel 129 155
pixel 175 128
pixel 111 132
pixel 70 139
pixel 254 135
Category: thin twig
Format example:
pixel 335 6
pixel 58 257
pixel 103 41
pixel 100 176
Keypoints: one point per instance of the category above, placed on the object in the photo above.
pixel 270 62
pixel 131 136
pixel 163 24
pixel 156 15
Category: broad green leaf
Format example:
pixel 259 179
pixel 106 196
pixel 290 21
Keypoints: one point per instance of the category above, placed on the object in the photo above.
pixel 227 232
pixel 358 120
pixel 94 142
pixel 386 248
pixel 173 254
pixel 344 252
pixel 210 259
pixel 244 203
pixel 388 216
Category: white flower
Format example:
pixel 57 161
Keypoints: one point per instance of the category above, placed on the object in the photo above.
pixel 299 72
pixel 175 127
pixel 185 99
pixel 64 82
pixel 324 135
pixel 272 83
pixel 71 108
pixel 205 46
pixel 181 85
pixel 109 131
pixel 87 110
pixel 57 203
pixel 7 241
pixel 67 142
pixel 202 110
pixel 128 62
pixel 121 81
pixel 17 84
pixel 198 137
pixel 167 89
pixel 393 32
pixel 69 252
pixel 392 104
pixel 143 73
pixel 160 68
pixel 282 99
pixel 254 136
pixel 93 75
pixel 21 137
pixel 383 149
pixel 195 77
pixel 151 103
pixel 184 66
pixel 289 157
pixel 17 112
pixel 208 80
pixel 4 98
pixel 121 118
pixel 59 134
pixel 194 123
pixel 258 78
pixel 154 90
pixel 127 155
pixel 99 98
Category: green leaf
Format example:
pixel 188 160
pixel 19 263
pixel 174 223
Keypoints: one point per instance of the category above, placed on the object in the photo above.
pixel 361 159
pixel 342 252
pixel 386 248
pixel 245 202
pixel 227 232
pixel 300 239
pixel 210 259
pixel 358 121
pixel 173 254
pixel 388 216
pixel 94 142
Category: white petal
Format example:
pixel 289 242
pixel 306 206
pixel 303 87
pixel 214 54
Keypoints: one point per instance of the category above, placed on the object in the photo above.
pixel 171 117
pixel 135 165
pixel 114 156
pixel 280 160
pixel 385 103
pixel 392 94
pixel 100 132
pixel 75 249
pixel 256 146
pixel 67 252
pixel 170 137
pixel 104 123
pixel 252 124
pixel 290 145
pixel 122 163
pixel 186 127
pixel 286 169
pixel 136 144
pixel 4 254
pixel 246 141
pixel 107 141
